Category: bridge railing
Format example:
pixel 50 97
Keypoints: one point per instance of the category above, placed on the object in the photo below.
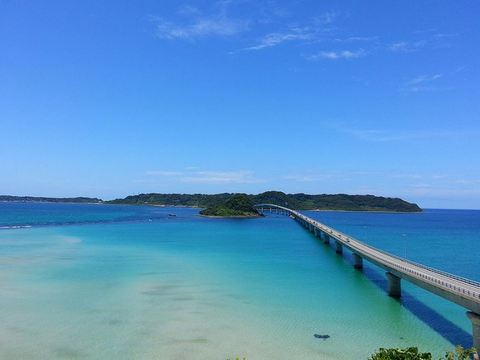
pixel 386 258
pixel 441 272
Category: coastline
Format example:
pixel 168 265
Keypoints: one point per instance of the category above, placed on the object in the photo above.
pixel 199 207
pixel 318 210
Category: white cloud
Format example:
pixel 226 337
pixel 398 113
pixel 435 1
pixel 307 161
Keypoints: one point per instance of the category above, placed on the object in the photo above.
pixel 379 135
pixel 219 177
pixel 338 55
pixel 326 18
pixel 277 38
pixel 432 41
pixel 309 31
pixel 193 175
pixel 422 83
pixel 325 176
pixel 312 177
pixel 407 47
pixel 201 27
pixel 163 173
pixel 357 38
pixel 196 24
pixel 301 178
pixel 425 78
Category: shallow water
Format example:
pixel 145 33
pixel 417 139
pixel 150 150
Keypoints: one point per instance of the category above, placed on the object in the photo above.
pixel 98 281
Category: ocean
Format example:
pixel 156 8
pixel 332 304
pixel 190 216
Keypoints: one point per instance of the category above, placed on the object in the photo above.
pixel 89 281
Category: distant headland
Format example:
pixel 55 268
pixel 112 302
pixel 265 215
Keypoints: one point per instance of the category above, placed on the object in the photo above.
pixel 50 199
pixel 298 201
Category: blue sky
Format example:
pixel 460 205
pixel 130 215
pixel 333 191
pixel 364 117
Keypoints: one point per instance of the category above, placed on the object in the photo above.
pixel 110 98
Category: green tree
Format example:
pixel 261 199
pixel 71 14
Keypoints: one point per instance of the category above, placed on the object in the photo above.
pixel 410 353
pixel 461 354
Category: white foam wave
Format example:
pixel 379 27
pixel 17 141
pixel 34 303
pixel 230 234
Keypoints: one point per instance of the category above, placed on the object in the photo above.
pixel 15 227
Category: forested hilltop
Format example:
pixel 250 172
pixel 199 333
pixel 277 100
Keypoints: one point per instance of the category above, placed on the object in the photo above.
pixel 298 201
pixel 49 199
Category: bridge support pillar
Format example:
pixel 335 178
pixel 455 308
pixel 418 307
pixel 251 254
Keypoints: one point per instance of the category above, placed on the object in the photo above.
pixel 394 285
pixel 326 238
pixel 338 247
pixel 475 319
pixel 315 232
pixel 357 261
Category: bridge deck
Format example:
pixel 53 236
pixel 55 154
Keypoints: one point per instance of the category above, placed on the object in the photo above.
pixel 462 291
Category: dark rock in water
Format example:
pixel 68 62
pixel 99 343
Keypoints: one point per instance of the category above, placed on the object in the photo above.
pixel 323 337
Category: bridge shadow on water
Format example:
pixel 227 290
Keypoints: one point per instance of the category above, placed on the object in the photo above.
pixel 432 318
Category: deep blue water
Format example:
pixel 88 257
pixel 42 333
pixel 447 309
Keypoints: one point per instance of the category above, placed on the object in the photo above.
pixel 109 281
pixel 444 239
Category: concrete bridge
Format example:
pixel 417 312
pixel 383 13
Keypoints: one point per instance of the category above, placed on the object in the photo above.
pixel 461 291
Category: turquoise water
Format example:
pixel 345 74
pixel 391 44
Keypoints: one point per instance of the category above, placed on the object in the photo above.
pixel 122 282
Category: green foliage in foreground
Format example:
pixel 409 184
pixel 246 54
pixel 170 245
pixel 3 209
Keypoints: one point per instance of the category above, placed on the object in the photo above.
pixel 298 201
pixel 237 205
pixel 412 353
pixel 461 354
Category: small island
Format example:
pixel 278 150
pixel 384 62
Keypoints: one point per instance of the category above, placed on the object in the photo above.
pixel 238 206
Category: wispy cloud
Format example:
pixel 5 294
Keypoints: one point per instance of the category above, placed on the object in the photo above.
pixel 277 38
pixel 326 18
pixel 222 177
pixel 380 135
pixel 193 175
pixel 442 191
pixel 325 176
pixel 357 38
pixel 195 23
pixel 163 173
pixel 422 83
pixel 425 78
pixel 309 31
pixel 338 55
pixel 302 178
pixel 431 40
pixel 407 46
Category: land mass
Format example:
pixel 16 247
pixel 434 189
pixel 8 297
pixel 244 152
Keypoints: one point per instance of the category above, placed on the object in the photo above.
pixel 239 205
pixel 49 199
pixel 299 201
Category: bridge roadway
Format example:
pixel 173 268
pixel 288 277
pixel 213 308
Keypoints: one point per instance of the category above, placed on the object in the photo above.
pixel 461 291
